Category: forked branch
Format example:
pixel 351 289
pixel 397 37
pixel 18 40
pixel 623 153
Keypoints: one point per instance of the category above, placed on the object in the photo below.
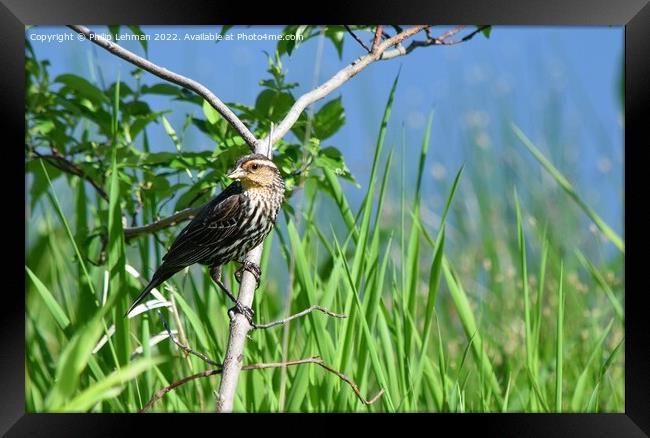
pixel 260 366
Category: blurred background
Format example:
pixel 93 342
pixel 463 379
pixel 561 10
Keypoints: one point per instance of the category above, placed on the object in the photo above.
pixel 563 86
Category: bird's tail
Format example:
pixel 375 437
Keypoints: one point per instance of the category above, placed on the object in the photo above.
pixel 155 282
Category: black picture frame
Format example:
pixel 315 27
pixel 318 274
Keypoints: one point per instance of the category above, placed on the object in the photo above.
pixel 633 14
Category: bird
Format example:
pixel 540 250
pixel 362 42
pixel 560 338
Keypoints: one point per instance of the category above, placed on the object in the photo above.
pixel 226 228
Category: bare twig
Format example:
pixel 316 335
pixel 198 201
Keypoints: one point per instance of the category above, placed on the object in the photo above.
pixel 337 80
pixel 260 366
pixel 183 347
pixel 183 215
pixel 441 40
pixel 467 37
pixel 377 39
pixel 356 38
pixel 283 321
pixel 452 32
pixel 298 315
pixel 171 76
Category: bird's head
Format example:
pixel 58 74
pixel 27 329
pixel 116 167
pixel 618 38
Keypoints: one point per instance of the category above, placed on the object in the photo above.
pixel 256 171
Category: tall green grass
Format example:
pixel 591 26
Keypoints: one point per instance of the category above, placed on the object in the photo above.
pixel 435 320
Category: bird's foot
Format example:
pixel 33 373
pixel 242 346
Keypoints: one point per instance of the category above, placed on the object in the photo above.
pixel 244 310
pixel 250 267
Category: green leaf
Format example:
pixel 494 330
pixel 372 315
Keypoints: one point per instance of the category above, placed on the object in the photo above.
pixel 171 133
pixel 141 122
pixel 110 387
pixel 211 114
pixel 486 31
pixel 114 29
pixel 162 89
pixel 196 195
pixel 136 108
pixel 329 119
pixel 331 159
pixel 143 42
pixel 299 34
pixel 83 88
pixel 273 105
pixel 72 362
pixel 50 302
pixel 335 34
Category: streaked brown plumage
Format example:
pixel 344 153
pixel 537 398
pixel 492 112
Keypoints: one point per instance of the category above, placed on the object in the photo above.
pixel 230 225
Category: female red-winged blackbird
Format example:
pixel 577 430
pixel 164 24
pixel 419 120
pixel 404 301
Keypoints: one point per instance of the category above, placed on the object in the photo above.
pixel 229 226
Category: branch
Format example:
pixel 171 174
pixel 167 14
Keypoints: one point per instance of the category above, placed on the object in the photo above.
pixel 432 41
pixel 377 39
pixel 336 81
pixel 183 215
pixel 183 347
pixel 177 79
pixel 283 321
pixel 259 366
pixel 356 38
pixel 60 162
pixel 298 315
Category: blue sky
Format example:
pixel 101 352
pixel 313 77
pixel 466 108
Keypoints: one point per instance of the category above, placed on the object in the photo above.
pixel 560 85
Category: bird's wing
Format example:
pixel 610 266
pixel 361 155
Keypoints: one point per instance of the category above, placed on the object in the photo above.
pixel 206 232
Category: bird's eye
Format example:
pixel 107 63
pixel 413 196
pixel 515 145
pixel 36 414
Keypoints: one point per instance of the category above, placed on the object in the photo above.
pixel 254 166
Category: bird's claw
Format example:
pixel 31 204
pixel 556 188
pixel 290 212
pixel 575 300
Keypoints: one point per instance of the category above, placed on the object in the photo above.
pixel 244 310
pixel 250 267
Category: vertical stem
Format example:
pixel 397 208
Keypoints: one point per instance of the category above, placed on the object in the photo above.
pixel 559 342
pixel 239 325
pixel 239 328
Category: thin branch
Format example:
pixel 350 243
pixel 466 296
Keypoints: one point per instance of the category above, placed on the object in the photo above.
pixel 467 37
pixel 356 38
pixel 183 347
pixel 452 32
pixel 176 78
pixel 436 41
pixel 377 39
pixel 183 215
pixel 336 81
pixel 260 366
pixel 298 315
pixel 60 162
pixel 283 321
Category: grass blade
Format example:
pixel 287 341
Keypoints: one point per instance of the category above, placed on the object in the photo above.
pixel 559 343
pixel 568 188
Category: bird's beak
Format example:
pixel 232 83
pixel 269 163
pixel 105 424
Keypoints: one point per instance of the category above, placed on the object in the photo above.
pixel 236 174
